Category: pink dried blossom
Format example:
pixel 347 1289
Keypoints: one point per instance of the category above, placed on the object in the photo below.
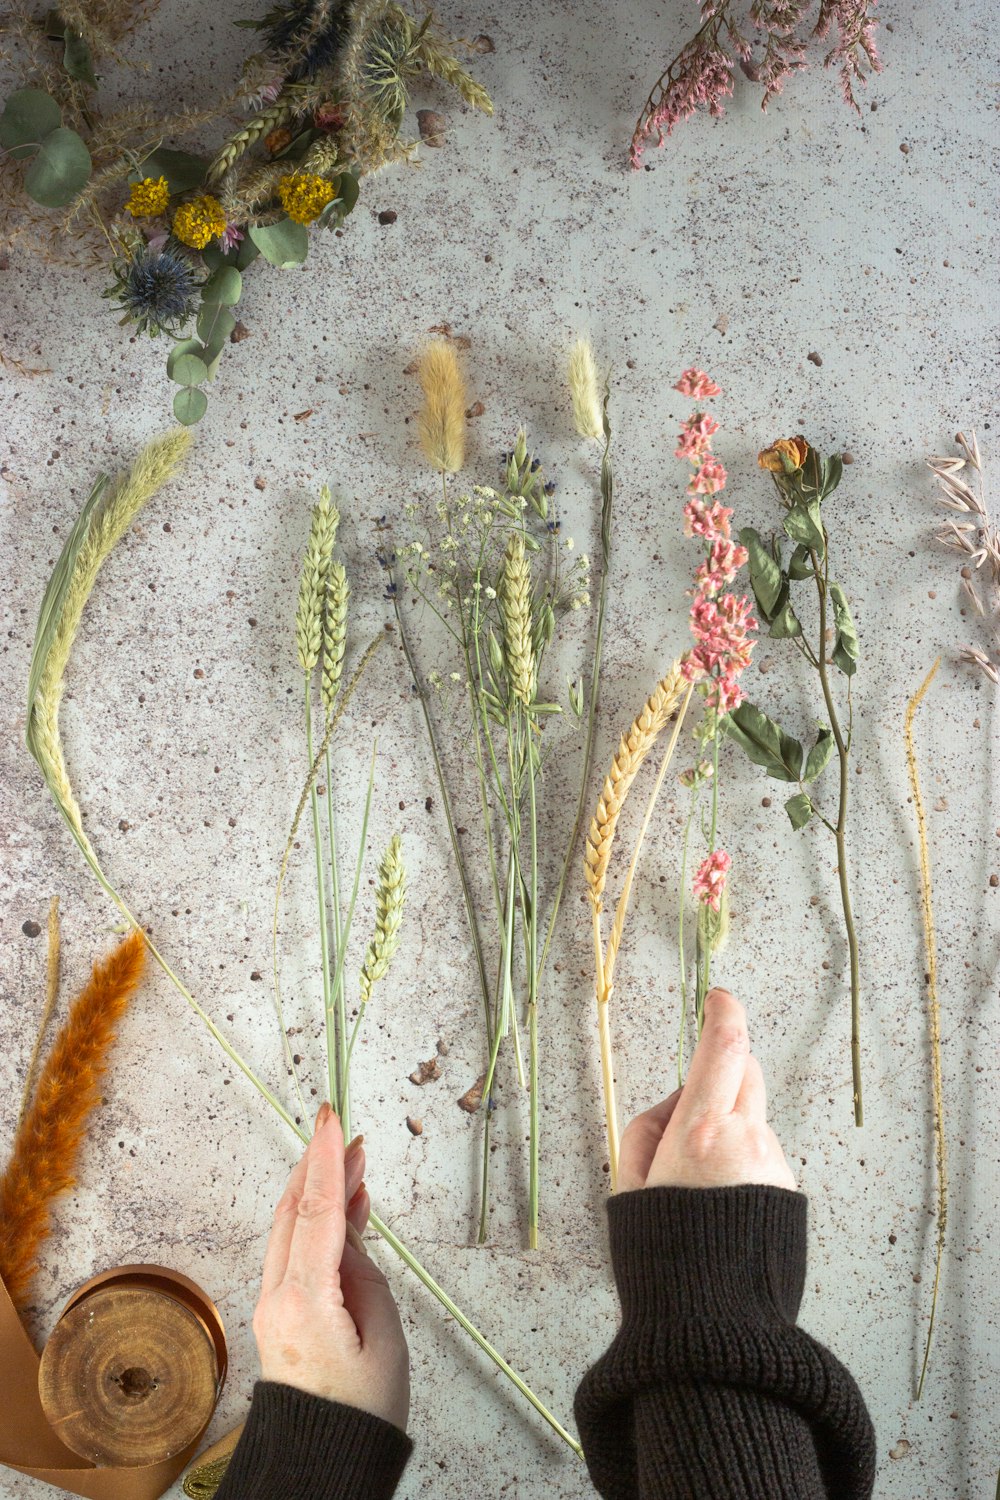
pixel 721 629
pixel 709 479
pixel 710 879
pixel 697 385
pixel 725 694
pixel 229 237
pixel 708 520
pixel 694 437
pixel 700 76
pixel 720 567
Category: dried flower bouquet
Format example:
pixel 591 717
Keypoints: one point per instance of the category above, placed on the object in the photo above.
pixel 491 568
pixel 320 639
pixel 326 92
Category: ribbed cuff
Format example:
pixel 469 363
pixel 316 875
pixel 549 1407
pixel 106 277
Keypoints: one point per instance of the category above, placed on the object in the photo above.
pixel 709 1252
pixel 297 1444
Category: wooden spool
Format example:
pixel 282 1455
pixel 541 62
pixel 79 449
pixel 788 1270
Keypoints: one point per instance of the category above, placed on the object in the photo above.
pixel 129 1376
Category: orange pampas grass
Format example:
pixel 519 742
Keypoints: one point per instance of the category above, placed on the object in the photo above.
pixel 48 1140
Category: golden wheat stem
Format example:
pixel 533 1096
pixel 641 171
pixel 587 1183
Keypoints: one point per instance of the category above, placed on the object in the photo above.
pixel 933 1006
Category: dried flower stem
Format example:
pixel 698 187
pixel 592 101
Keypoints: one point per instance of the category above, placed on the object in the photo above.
pixel 933 1006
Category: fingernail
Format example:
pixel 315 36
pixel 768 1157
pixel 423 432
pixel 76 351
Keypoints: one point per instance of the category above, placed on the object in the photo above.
pixel 355 1145
pixel 362 1188
pixel 323 1115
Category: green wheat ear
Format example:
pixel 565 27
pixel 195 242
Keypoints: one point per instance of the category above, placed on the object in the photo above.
pixel 389 901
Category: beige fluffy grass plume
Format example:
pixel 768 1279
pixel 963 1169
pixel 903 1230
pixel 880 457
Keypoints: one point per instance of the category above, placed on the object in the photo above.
pixel 442 420
pixel 114 512
pixel 633 748
pixel 583 389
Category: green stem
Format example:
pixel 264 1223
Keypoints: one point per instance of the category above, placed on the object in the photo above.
pixel 328 1025
pixel 533 1143
pixel 841 837
pixel 680 935
pixel 337 991
pixel 704 953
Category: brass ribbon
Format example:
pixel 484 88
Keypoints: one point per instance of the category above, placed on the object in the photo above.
pixel 27 1440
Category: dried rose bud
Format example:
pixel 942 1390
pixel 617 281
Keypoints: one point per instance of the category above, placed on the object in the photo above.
pixel 786 456
pixel 329 116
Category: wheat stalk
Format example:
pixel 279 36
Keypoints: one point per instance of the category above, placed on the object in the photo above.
pixel 633 749
pixel 238 145
pixel 312 583
pixel 334 634
pixel 390 898
pixel 515 614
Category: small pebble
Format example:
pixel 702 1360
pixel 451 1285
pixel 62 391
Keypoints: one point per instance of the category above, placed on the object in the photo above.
pixel 30 929
pixel 994 881
pixel 239 333
pixel 432 126
pixel 814 358
pixel 765 802
pixel 388 216
pixel 415 1127
pixel 904 148
pixel 482 43
pixel 260 483
pixel 847 458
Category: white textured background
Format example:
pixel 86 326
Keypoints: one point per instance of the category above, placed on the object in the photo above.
pixel 812 232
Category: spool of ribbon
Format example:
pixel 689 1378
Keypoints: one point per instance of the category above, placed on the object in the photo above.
pixel 125 1387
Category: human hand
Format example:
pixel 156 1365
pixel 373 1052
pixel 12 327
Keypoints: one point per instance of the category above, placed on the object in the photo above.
pixel 326 1321
pixel 713 1132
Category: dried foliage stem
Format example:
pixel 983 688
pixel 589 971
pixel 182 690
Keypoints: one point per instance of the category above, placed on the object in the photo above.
pixel 933 1006
pixel 51 999
pixel 821 574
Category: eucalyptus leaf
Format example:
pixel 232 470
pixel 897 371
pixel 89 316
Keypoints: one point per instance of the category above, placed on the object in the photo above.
pixel 765 742
pixel 799 566
pixel 224 285
pixel 246 254
pixel 212 258
pixel 799 809
pixel 847 647
pixel 188 370
pixel 29 116
pixel 804 524
pixel 765 574
pixel 285 244
pixel 215 324
pixel 190 405
pixel 182 169
pixel 183 346
pixel 77 59
pixel 819 756
pixel 60 169
pixel 347 197
pixel 785 623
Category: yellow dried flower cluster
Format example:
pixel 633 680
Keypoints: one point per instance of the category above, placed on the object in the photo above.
pixel 304 195
pixel 199 221
pixel 148 197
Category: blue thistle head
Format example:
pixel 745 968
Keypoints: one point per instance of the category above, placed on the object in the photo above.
pixel 156 289
pixel 305 35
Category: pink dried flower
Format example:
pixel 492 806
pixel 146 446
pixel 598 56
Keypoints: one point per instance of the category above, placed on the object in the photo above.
pixel 855 41
pixel 720 567
pixel 229 237
pixel 710 879
pixel 708 520
pixel 725 694
pixel 700 76
pixel 694 437
pixel 697 385
pixel 721 629
pixel 709 479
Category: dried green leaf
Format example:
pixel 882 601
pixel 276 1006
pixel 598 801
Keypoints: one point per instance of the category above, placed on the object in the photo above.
pixel 190 405
pixel 285 244
pixel 799 809
pixel 765 742
pixel 819 756
pixel 59 170
pixel 765 574
pixel 847 647
pixel 29 116
pixel 804 524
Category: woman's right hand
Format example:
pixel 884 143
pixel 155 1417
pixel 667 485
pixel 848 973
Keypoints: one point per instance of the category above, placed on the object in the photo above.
pixel 713 1132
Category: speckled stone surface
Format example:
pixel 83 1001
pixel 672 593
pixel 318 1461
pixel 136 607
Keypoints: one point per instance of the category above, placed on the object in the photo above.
pixel 868 241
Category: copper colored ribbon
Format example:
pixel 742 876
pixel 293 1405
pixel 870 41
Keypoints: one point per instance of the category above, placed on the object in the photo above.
pixel 28 1443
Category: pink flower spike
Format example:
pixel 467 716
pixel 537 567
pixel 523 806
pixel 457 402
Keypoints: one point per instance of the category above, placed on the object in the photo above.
pixel 708 520
pixel 229 237
pixel 697 385
pixel 725 694
pixel 710 879
pixel 709 479
pixel 695 436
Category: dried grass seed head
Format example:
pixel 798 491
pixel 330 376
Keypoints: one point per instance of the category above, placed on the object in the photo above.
pixel 312 583
pixel 390 899
pixel 442 420
pixel 583 389
pixel 514 598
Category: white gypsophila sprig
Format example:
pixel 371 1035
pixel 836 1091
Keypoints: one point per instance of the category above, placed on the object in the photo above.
pixel 312 583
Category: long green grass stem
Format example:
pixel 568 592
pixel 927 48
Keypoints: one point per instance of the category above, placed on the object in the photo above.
pixel 840 832
pixel 324 942
pixel 682 955
pixel 533 1125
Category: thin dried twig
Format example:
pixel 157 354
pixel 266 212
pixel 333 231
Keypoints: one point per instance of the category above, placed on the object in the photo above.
pixel 933 1006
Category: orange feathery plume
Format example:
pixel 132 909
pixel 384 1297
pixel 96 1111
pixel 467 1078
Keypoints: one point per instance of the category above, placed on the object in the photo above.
pixel 48 1140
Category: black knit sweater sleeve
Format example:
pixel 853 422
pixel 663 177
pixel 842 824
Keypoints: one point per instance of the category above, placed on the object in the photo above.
pixel 709 1391
pixel 300 1447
